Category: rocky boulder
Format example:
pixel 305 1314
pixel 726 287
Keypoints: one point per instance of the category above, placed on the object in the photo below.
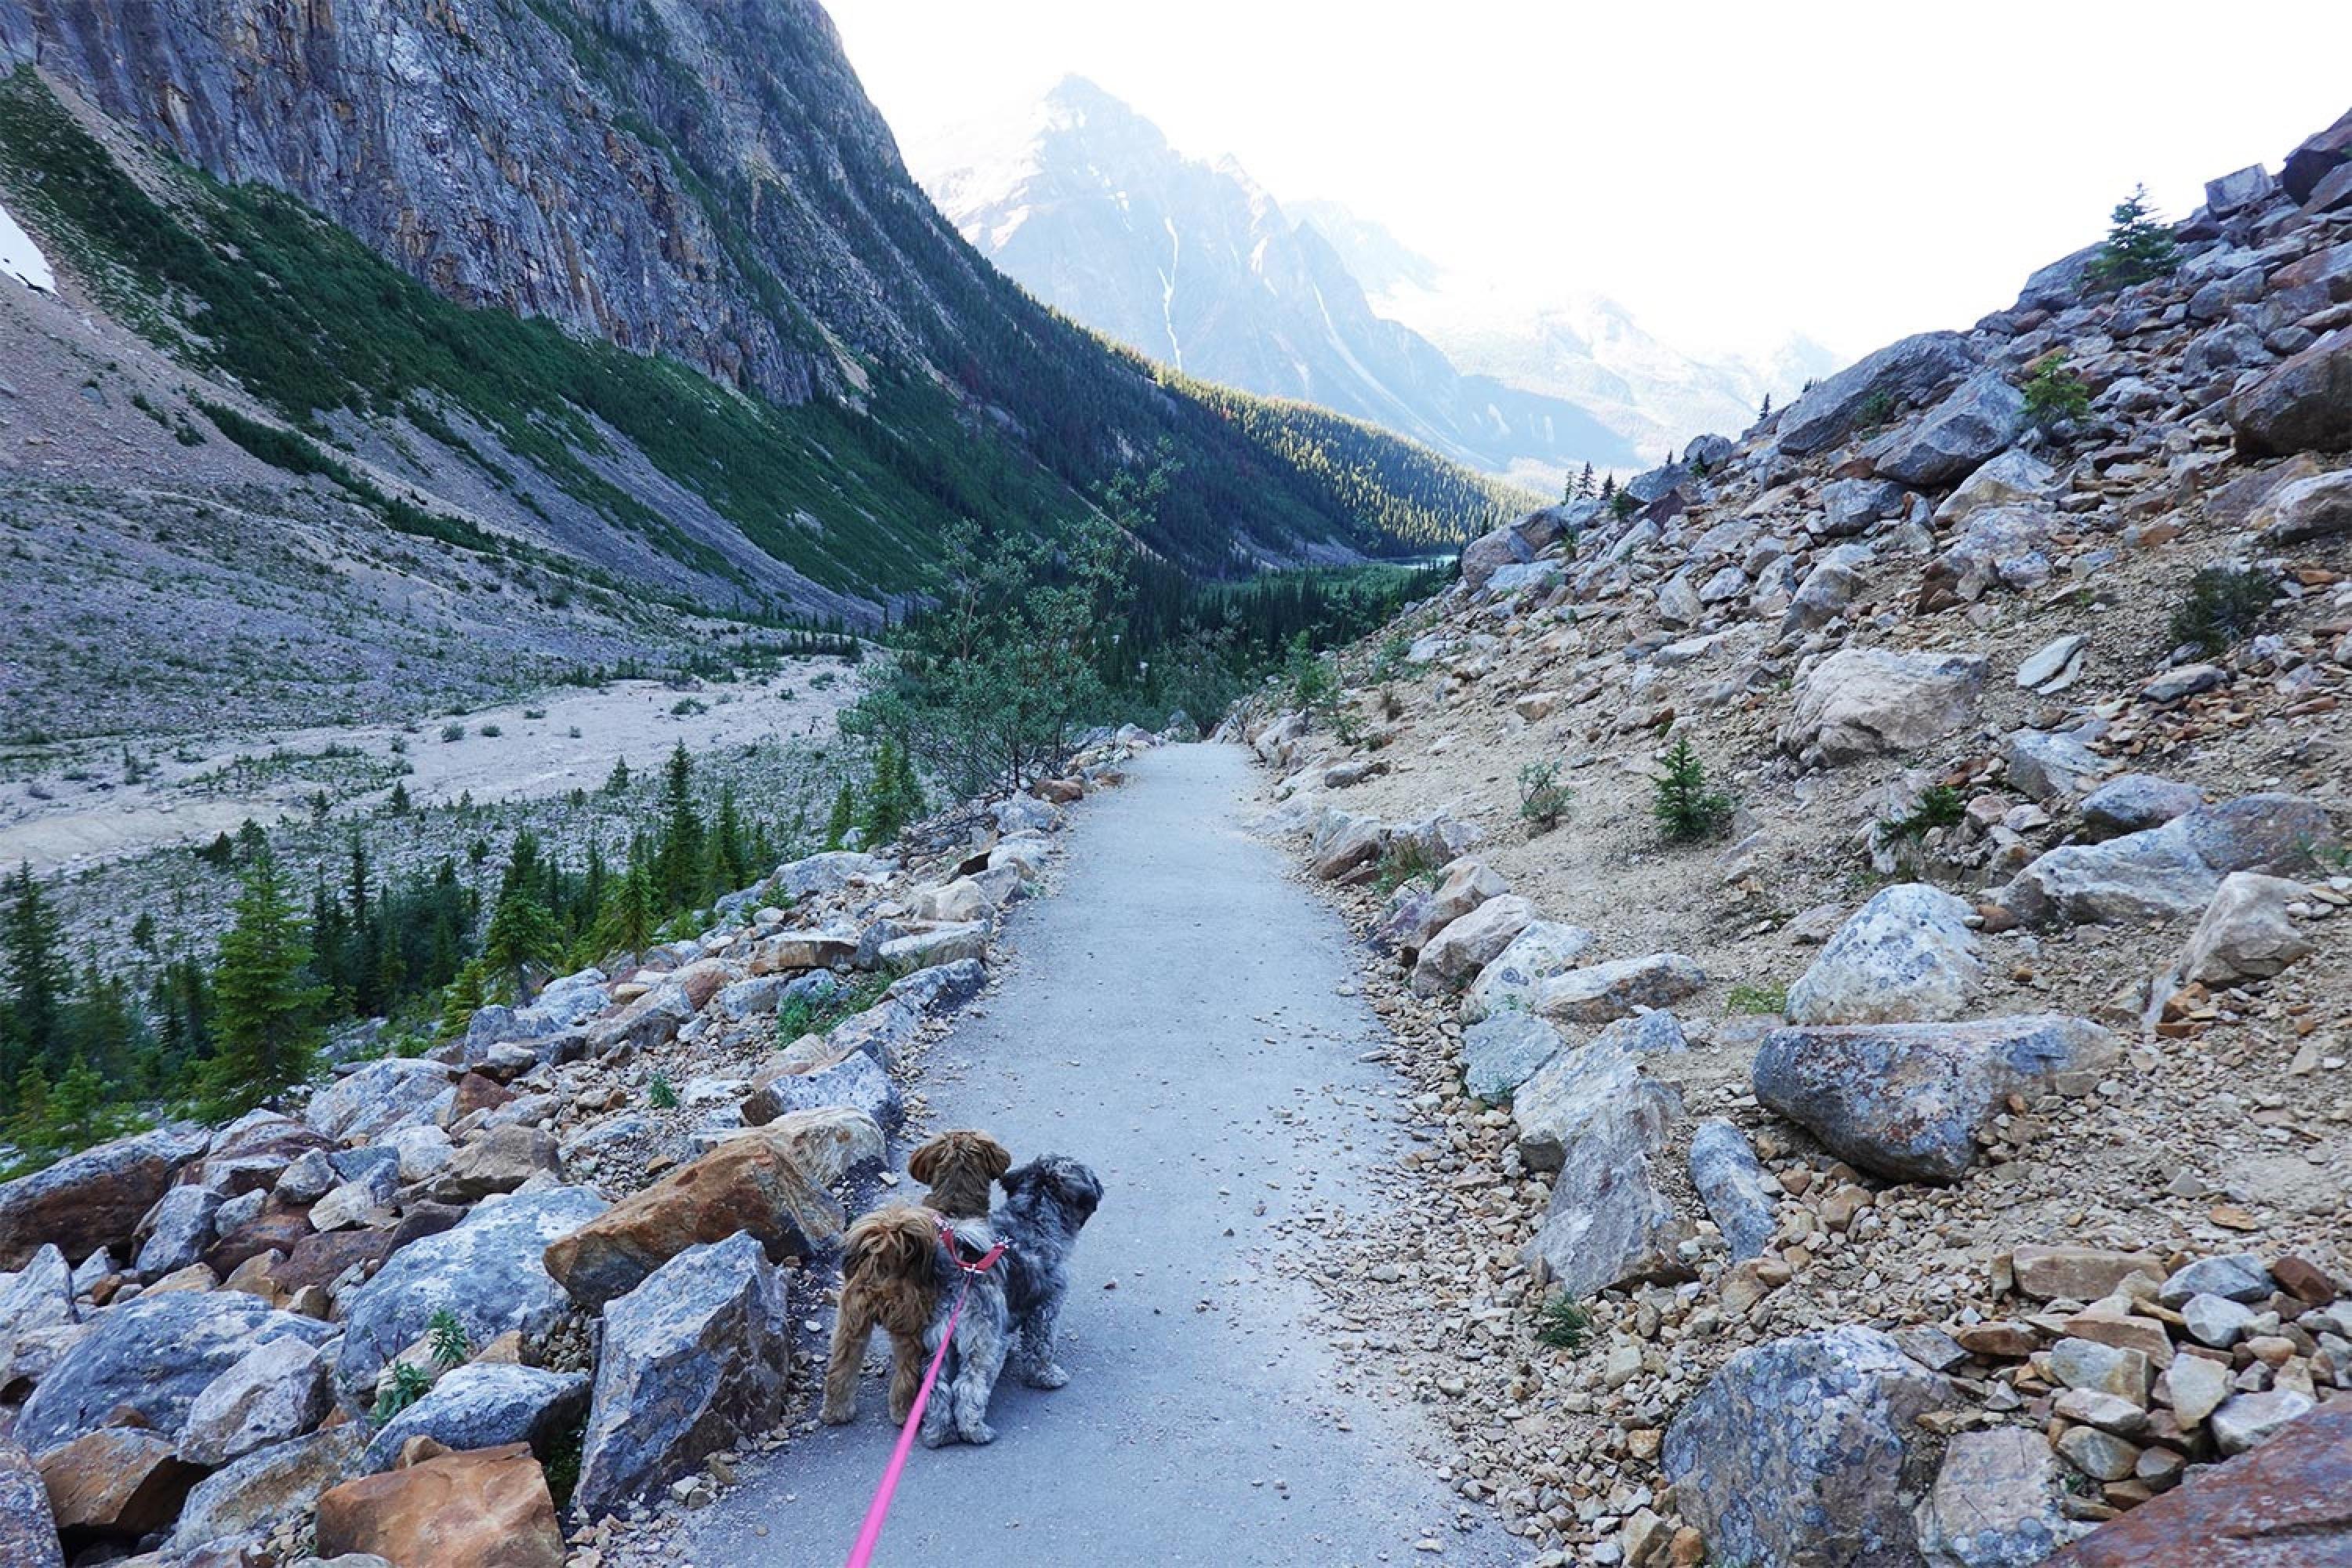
pixel 850 1079
pixel 1499 1052
pixel 1912 370
pixel 487 1508
pixel 1508 982
pixel 378 1096
pixel 1980 419
pixel 28 1532
pixel 695 1360
pixel 40 1295
pixel 265 1487
pixel 2000 547
pixel 486 1271
pixel 499 1161
pixel 1806 1450
pixel 1906 956
pixel 115 1481
pixel 275 1390
pixel 1906 1100
pixel 1858 702
pixel 1742 1200
pixel 2305 510
pixel 2051 766
pixel 2247 933
pixel 2134 803
pixel 2283 1505
pixel 1600 993
pixel 1454 956
pixel 1512 544
pixel 749 1184
pixel 1600 1122
pixel 153 1355
pixel 2167 872
pixel 2304 404
pixel 1465 885
pixel 2013 478
pixel 1995 1502
pixel 93 1200
pixel 485 1404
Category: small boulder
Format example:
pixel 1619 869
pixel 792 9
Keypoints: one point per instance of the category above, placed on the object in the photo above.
pixel 1907 1101
pixel 2134 803
pixel 1906 956
pixel 92 1201
pixel 1600 993
pixel 484 1405
pixel 2302 406
pixel 116 1481
pixel 1858 702
pixel 1456 954
pixel 1600 1122
pixel 1742 1200
pixel 1995 1503
pixel 486 1509
pixel 276 1390
pixel 1998 547
pixel 1508 982
pixel 2305 510
pixel 267 1487
pixel 1979 420
pixel 1499 1052
pixel 378 1096
pixel 498 1161
pixel 1911 371
pixel 2171 871
pixel 29 1531
pixel 2014 477
pixel 2246 933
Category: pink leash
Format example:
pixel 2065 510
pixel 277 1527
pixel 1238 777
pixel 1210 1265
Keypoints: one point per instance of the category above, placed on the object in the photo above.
pixel 878 1511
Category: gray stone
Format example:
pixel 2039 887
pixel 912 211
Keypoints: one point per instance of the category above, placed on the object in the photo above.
pixel 856 1080
pixel 2248 187
pixel 2246 1421
pixel 2102 1455
pixel 155 1355
pixel 1907 1101
pixel 1827 589
pixel 884 1031
pixel 2215 1320
pixel 1995 1503
pixel 310 1177
pixel 2305 510
pixel 40 1295
pixel 1463 886
pixel 944 986
pixel 2102 1368
pixel 2061 283
pixel 2053 658
pixel 2185 680
pixel 2013 478
pixel 276 1390
pixel 1858 702
pixel 830 872
pixel 29 1531
pixel 93 1200
pixel 1454 955
pixel 182 1228
pixel 2167 872
pixel 1998 547
pixel 946 944
pixel 1500 1052
pixel 1905 956
pixel 1911 371
pixel 486 1270
pixel 2302 406
pixel 1508 982
pixel 1515 544
pixel 2246 933
pixel 2134 803
pixel 2234 1276
pixel 1741 1199
pixel 265 1487
pixel 482 1404
pixel 1806 1450
pixel 1600 1122
pixel 695 1360
pixel 1850 506
pixel 496 1161
pixel 2197 1386
pixel 1599 993
pixel 1980 419
pixel 394 1092
pixel 2051 767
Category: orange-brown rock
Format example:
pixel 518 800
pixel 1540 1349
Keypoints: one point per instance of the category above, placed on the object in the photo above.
pixel 748 1184
pixel 487 1508
pixel 117 1481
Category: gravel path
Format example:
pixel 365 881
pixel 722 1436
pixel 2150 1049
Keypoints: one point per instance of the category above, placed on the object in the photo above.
pixel 1184 1019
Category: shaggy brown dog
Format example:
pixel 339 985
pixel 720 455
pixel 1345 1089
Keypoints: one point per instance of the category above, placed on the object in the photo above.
pixel 892 1269
pixel 961 1168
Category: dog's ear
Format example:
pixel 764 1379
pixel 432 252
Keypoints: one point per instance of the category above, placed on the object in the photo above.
pixel 994 1157
pixel 924 1164
pixel 1021 1180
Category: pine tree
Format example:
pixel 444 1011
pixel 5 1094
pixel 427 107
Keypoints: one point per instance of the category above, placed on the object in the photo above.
pixel 461 1001
pixel 1765 412
pixel 1584 483
pixel 264 1006
pixel 398 804
pixel 521 933
pixel 629 916
pixel 1687 812
pixel 1609 487
pixel 617 783
pixel 843 818
pixel 2139 245
pixel 31 939
pixel 730 857
pixel 678 865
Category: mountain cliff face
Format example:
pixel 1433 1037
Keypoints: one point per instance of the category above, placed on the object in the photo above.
pixel 1193 264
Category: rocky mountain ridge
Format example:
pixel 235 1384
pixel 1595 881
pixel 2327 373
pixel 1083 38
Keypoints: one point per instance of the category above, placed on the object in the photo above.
pixel 1911 1124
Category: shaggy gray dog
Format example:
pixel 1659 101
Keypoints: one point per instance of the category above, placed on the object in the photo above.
pixel 1010 1311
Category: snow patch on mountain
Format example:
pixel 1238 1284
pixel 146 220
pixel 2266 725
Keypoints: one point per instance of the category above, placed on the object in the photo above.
pixel 21 258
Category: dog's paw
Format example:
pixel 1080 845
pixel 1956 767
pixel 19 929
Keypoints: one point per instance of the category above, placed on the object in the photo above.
pixel 980 1432
pixel 1047 1376
pixel 837 1415
pixel 936 1436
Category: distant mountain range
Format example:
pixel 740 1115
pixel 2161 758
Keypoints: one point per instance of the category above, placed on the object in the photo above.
pixel 1082 200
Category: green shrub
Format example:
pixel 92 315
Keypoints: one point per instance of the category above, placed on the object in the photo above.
pixel 1765 999
pixel 2224 605
pixel 2055 396
pixel 1687 812
pixel 1564 1323
pixel 1940 805
pixel 1403 861
pixel 1543 799
pixel 1874 411
pixel 410 1383
pixel 450 732
pixel 445 1337
pixel 660 1094
pixel 2138 246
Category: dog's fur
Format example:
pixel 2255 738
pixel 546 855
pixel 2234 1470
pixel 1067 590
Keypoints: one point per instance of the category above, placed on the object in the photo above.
pixel 961 1168
pixel 1010 1311
pixel 894 1268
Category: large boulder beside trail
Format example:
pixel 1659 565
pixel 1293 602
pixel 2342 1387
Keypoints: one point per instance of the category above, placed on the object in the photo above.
pixel 486 1271
pixel 749 1184
pixel 1907 1101
pixel 379 1096
pixel 1976 421
pixel 2171 871
pixel 1996 1503
pixel 1859 702
pixel 29 1531
pixel 1601 1124
pixel 1600 993
pixel 486 1508
pixel 153 1355
pixel 1501 1052
pixel 1807 1451
pixel 2302 406
pixel 265 1487
pixel 1508 982
pixel 93 1200
pixel 1906 955
pixel 1454 955
pixel 695 1360
pixel 483 1405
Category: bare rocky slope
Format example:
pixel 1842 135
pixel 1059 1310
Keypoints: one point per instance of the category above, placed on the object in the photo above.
pixel 1949 1160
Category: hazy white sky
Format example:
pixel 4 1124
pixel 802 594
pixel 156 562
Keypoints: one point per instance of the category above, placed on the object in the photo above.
pixel 1732 171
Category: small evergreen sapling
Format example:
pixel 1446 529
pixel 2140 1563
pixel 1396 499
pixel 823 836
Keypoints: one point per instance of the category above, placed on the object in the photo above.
pixel 2139 245
pixel 1688 812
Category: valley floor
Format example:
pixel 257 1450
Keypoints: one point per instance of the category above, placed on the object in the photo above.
pixel 1190 1021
